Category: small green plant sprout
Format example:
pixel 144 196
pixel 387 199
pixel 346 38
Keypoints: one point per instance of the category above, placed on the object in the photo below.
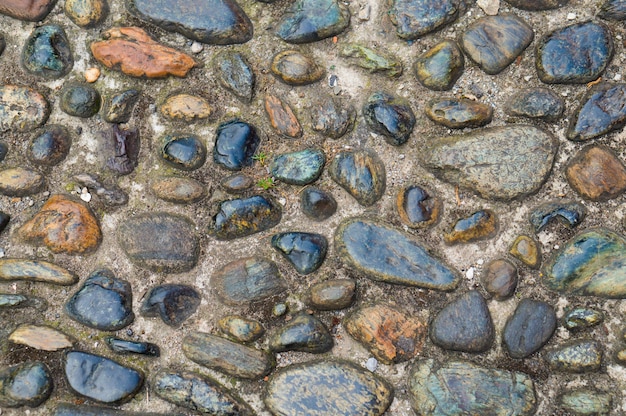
pixel 266 183
pixel 261 157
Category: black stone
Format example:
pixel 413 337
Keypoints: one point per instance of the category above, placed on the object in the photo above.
pixel 173 303
pixel 122 346
pixel 602 110
pixel 242 217
pixel 390 116
pixel 247 280
pixel 333 118
pixel 529 328
pixel 50 146
pixel 4 149
pixel 47 52
pixel 303 333
pixel 27 384
pixel 236 143
pixel 120 149
pixel 80 100
pixel 183 151
pixel 500 279
pixel 317 204
pixel 305 251
pixel 237 183
pixel 613 10
pixel 312 20
pixel 539 103
pixel 235 74
pixel 119 107
pixel 4 220
pixel 361 173
pixel 569 213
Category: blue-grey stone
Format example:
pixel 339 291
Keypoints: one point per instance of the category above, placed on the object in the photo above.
pixel 298 168
pixel 174 303
pixel 613 10
pixel 586 402
pixel 80 100
pixel 569 213
pixel 317 204
pixel 237 183
pixel 236 143
pixel 47 52
pixel 247 280
pixel 305 251
pixel 418 207
pixel 480 225
pixel 27 384
pixel 361 173
pixel 236 218
pixel 578 356
pixel 537 103
pixel 602 110
pixel 500 279
pixel 50 146
pixel 529 328
pixel 122 346
pixel 312 20
pixel 416 18
pixel 581 318
pixel 235 74
pixel 183 151
pixel 304 333
pixel 333 118
pixel 441 66
pixel 389 116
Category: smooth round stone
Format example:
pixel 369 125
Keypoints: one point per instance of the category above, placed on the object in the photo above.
pixel 478 226
pixel 22 108
pixel 579 356
pixel 464 325
pixel 535 103
pixel 35 271
pixel 441 66
pixel 178 190
pixel 417 207
pixel 536 5
pixel 20 182
pixel 122 346
pixel 574 54
pixel 333 118
pixel 173 303
pixel 500 279
pixel 101 379
pixel 332 295
pixel 242 217
pixel 311 20
pixel 236 142
pixel 186 107
pixel 341 389
pixel 247 280
pixel 569 213
pixel 389 116
pixel 586 401
pixel 317 204
pixel 459 113
pixel 361 173
pixel 529 328
pixel 118 108
pixel 602 110
pixel 227 356
pixel 526 250
pixel 50 146
pixel 199 393
pixel 217 22
pixel 86 13
pixel 237 183
pixel 282 117
pixel 183 151
pixel 469 389
pixel 597 174
pixel 104 302
pixel 240 328
pixel 416 18
pixel 65 409
pixel 372 61
pixel 298 168
pixel 279 309
pixel 233 71
pixel 582 318
pixel 27 384
pixel 305 251
pixel 47 52
pixel 161 242
pixel 294 68
pixel 80 100
pixel 303 333
pixel 612 10
pixel 494 42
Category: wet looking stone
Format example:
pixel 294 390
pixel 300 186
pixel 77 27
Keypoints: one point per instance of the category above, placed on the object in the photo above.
pixel 183 151
pixel 569 213
pixel 237 183
pixel 50 146
pixel 28 384
pixel 602 110
pixel 581 318
pixel 390 116
pixel 178 190
pixel 234 73
pixel 529 328
pixel 612 10
pixel 247 280
pixel 441 66
pixel 578 356
pixel 526 250
pixel 35 271
pixel 240 328
pixel 282 118
pixel 333 118
pixel 537 103
pixel 294 68
pixel 32 11
pixel 597 174
pixel 361 173
pixel 305 251
pixel 86 13
pixel 417 207
pixel 118 108
pixel 122 346
pixel 236 142
pixel 332 294
pixel 47 52
pixel 416 18
pixel 80 100
pixel 459 113
pixel 304 333
pixel 300 167
pixel 312 20
pixel 20 182
pixel 242 217
pixel 480 225
pixel 317 204
pixel 172 303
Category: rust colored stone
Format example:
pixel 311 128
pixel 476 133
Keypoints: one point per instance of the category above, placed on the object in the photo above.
pixel 597 174
pixel 30 10
pixel 135 53
pixel 64 225
pixel 282 117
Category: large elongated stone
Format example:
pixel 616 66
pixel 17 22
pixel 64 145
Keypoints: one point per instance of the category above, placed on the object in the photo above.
pixel 386 254
pixel 501 163
pixel 22 108
pixel 242 217
pixel 35 271
pixel 602 110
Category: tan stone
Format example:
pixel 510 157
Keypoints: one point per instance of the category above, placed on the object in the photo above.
pixel 22 108
pixel 186 107
pixel 40 337
pixel 92 74
pixel 20 182
pixel 282 117
pixel 86 13
pixel 597 174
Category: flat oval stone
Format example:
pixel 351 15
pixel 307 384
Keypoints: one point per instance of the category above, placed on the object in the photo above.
pixel 526 250
pixel 441 66
pixel 178 190
pixel 385 254
pixel 500 279
pixel 172 303
pixel 198 393
pixel 536 5
pixel 494 42
pixel 580 356
pixel 501 163
pixel 581 318
pixel 536 103
pixel 612 10
pixel 463 388
pixel 183 151
pixel 20 182
pixel 478 226
pixel 586 402
pixel 602 110
pixel 101 379
pixel 464 325
pixel 217 22
pixel 103 302
pixel 311 20
pixel 35 271
pixel 416 18
pixel 240 328
pixel 305 251
pixel 317 204
pixel 294 68
pixel 65 409
pixel 27 384
pixel 574 54
pixel 122 346
pixel 80 100
pixel 233 71
pixel 596 173
pixel 118 108
pixel 186 107
pixel 372 61
pixel 332 295
pixel 282 118
pixel 298 168
pixel 529 328
pixel 226 356
pixel 50 146
pixel 237 183
pixel 160 242
pixel 242 217
pixel 236 142
pixel 333 118
pixel 304 333
pixel 361 173
pixel 569 213
pixel 47 52
pixel 417 208
pixel 459 113
pixel 341 389
pixel 389 116
pixel 247 280
pixel 86 13
pixel 31 10
pixel 22 108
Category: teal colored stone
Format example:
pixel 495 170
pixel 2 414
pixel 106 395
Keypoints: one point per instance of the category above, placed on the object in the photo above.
pixel 441 66
pixel 385 254
pixel 235 74
pixel 47 52
pixel 183 151
pixel 312 20
pixel 586 402
pixel 602 110
pixel 298 168
pixel 580 318
pixel 539 103
pixel 371 60
pixel 361 173
pixel 304 333
pixel 389 116
pixel 416 18
pixel 578 356
pixel 242 217
pixel 593 263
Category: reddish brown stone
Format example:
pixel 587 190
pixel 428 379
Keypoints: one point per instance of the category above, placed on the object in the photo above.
pixel 30 10
pixel 281 117
pixel 64 225
pixel 597 174
pixel 135 53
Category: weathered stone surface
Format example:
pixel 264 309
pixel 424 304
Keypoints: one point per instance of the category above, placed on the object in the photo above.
pixel 596 174
pixel 22 108
pixel 416 18
pixel 42 338
pixel 294 68
pixel 390 116
pixel 120 149
pixel 132 51
pixel 317 204
pixel 569 213
pixel 118 108
pixel 578 356
pixel 586 402
pixel 28 384
pixel 500 279
pixel 186 107
pixel 237 183
pixel 304 333
pixel 226 356
pixel 332 295
pixel 86 13
pixel 613 10
pixel 65 409
pixel 240 328
pixel 9 300
pixel 461 388
pixel 341 389
pixel 537 103
pixel 305 251
pixel 536 5
pixel 441 66
pixel 29 10
pixel 298 168
pixel 581 318
pixel 502 163
pixel 242 217
pixel 385 254
pixel 121 346
pixel 20 182
pixel 333 118
pixel 50 145
pixel 161 242
pixel 529 328
pixel 526 250
pixel 35 271
pixel 247 280
pixel 178 190
pixel 110 195
pixel 183 151
pixel 602 110
pixel 172 303
pixel 47 52
pixel 480 225
pixel 361 173
pixel 282 118
pixel 236 143
pixel 459 113
pixel 313 20
pixel 80 100
pixel 235 74
pixel 64 225
pixel 371 60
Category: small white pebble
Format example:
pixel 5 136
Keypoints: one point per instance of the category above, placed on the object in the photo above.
pixel 371 364
pixel 84 190
pixel 282 201
pixel 401 157
pixel 617 77
pixel 618 37
pixel 527 78
pixel 46 193
pixel 2 252
pixel 480 262
pixel 470 273
pixel 196 47
pixel 31 202
pixel 85 197
pixel 564 93
pixel 571 16
pixel 556 246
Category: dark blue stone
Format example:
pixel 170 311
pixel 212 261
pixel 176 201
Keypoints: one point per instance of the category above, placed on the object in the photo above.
pixel 417 207
pixel 242 217
pixel 317 204
pixel 235 74
pixel 80 100
pixel 28 384
pixel 104 302
pixel 603 109
pixel 539 103
pixel 101 379
pixel 312 20
pixel 390 116
pixel 65 409
pixel 47 52
pixel 173 303
pixel 303 333
pixel 298 168
pixel 415 18
pixel 235 144
pixel 305 251
pixel 361 173
pixel 183 151
pixel 613 10
pixel 529 328
pixel 50 146
pixel 122 346
pixel 569 213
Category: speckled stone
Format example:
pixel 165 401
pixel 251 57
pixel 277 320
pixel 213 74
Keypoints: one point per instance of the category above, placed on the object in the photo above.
pixel 22 108
pixel 333 118
pixel 240 328
pixel 586 401
pixel 480 225
pixel 298 168
pixel 65 409
pixel 247 280
pixel 237 218
pixel 35 271
pixel 500 279
pixel 47 52
pixel 529 328
pixel 596 173
pixel 312 20
pixel 118 108
pixel 389 116
pixel 526 250
pixel 458 113
pixel 304 333
pixel 613 10
pixel 182 151
pixel 86 13
pixel 80 100
pixel 535 103
pixel 236 142
pixel 20 182
pixel 494 42
pixel 602 110
pixel 535 5
pixel 372 61
pixel 32 10
pixel 173 303
pixel 441 66
pixel 227 356
pixel 385 254
pixel 122 346
pixel 27 384
pixel 462 388
pixel 501 163
pixel 294 68
pixel 282 117
pixel 331 295
pixel 341 389
pixel 178 189
pixel 237 183
pixel 582 318
pixel 579 356
pixel 361 173
pixel 233 71
pixel 567 212
pixel 50 146
pixel 416 18
pixel 317 204
pixel 186 107
pixel 574 54
pixel 305 251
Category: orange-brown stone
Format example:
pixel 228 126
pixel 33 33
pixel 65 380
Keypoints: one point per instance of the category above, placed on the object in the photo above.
pixel 135 53
pixel 282 117
pixel 597 174
pixel 30 10
pixel 64 225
